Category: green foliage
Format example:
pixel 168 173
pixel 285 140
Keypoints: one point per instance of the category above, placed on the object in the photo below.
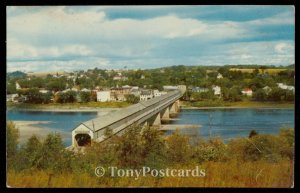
pixel 130 148
pixel 11 88
pixel 67 97
pixel 199 96
pixel 132 99
pixel 270 148
pixel 260 95
pixel 233 94
pixel 178 148
pixel 12 137
pixel 85 96
pixel 213 150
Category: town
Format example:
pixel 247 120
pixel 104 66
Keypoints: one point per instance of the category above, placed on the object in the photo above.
pixel 233 83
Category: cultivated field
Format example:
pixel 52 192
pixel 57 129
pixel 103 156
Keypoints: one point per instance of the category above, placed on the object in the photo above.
pixel 250 70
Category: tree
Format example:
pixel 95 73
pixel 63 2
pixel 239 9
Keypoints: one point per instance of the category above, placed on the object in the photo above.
pixel 130 148
pixel 260 95
pixel 130 98
pixel 12 137
pixel 178 148
pixel 85 96
pixel 52 153
pixel 252 133
pixel 30 154
pixel 11 88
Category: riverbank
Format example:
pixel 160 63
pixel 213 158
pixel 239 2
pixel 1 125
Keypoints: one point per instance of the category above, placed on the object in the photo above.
pixel 29 128
pixel 236 105
pixel 68 107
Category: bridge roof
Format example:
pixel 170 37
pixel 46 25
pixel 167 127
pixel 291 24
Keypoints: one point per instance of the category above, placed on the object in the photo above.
pixel 108 119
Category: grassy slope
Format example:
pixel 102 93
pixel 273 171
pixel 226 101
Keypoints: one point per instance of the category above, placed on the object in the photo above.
pixel 218 174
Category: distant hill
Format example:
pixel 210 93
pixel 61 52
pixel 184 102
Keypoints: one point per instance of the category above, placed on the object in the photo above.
pixel 16 74
pixel 292 66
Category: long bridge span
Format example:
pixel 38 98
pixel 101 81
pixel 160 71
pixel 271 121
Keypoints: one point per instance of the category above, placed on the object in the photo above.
pixel 149 112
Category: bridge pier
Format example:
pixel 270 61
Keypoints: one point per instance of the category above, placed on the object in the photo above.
pixel 155 120
pixel 166 113
pixel 174 108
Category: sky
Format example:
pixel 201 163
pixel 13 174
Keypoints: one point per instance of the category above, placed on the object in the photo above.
pixel 68 38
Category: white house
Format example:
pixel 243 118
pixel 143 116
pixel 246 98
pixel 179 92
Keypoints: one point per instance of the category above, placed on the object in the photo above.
pixel 18 87
pixel 44 91
pixel 219 76
pixel 103 96
pixel 247 92
pixel 217 90
pixel 85 90
pixel 12 97
pixel 146 95
pixel 285 87
pixel 156 93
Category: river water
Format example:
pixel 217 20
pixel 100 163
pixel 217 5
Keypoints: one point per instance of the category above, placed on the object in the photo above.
pixel 226 123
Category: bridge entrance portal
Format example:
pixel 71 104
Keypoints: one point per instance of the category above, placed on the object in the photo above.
pixel 83 139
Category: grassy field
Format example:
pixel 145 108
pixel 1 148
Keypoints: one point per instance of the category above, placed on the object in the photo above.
pixel 239 104
pixel 68 105
pixel 250 70
pixel 218 174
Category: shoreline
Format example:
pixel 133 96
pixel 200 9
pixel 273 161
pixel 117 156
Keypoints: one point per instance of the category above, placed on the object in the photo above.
pixel 87 109
pixel 233 107
pixel 97 110
pixel 29 128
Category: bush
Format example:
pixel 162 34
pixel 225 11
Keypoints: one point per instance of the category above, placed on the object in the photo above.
pixel 213 150
pixel 12 137
pixel 178 148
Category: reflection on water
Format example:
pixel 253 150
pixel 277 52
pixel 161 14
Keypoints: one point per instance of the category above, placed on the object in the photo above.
pixel 227 123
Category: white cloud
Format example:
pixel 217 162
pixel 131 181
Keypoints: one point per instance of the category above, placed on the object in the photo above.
pixel 89 38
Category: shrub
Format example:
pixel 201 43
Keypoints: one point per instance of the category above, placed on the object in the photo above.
pixel 178 148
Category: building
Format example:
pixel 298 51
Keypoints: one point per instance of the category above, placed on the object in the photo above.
pixel 170 88
pixel 182 88
pixel 135 91
pixel 156 93
pixel 103 96
pixel 146 95
pixel 267 89
pixel 219 76
pixel 44 91
pixel 247 91
pixel 120 77
pixel 85 90
pixel 199 89
pixel 217 90
pixel 118 94
pixel 286 87
pixel 18 87
pixel 12 97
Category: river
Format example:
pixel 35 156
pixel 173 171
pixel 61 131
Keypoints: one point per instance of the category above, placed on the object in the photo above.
pixel 226 123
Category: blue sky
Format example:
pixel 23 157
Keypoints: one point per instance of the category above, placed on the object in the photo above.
pixel 55 38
